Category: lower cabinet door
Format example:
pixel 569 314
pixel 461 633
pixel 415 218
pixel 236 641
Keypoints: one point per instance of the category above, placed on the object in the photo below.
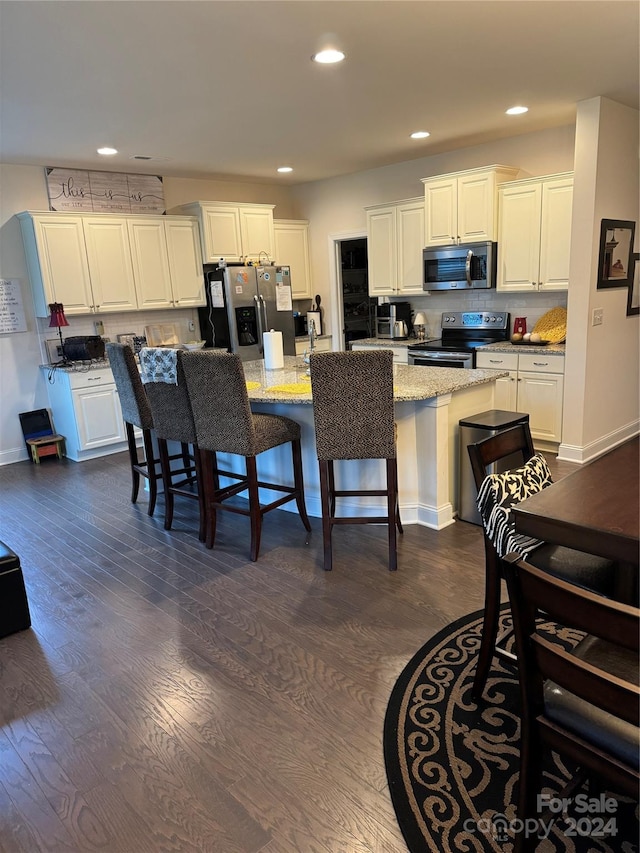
pixel 540 394
pixel 99 417
pixel 505 393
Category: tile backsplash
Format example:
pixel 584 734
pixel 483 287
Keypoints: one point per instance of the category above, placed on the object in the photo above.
pixel 529 305
pixel 126 322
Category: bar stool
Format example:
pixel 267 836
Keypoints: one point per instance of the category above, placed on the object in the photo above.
pixel 135 412
pixel 173 421
pixel 354 419
pixel 225 424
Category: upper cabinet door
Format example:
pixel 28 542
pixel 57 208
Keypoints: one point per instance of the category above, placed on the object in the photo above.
pixel 256 229
pixel 477 208
pixel 292 249
pixel 441 212
pixel 519 237
pixel 382 251
pixel 410 234
pixel 57 261
pixel 150 262
pixel 555 234
pixel 221 233
pixel 185 262
pixel 110 266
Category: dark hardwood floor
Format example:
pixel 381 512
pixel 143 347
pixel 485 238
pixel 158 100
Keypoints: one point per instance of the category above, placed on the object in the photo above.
pixel 170 698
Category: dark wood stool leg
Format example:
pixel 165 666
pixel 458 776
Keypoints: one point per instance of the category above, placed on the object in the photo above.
pixel 299 484
pixel 332 488
pixel 254 507
pixel 149 454
pixel 133 461
pixel 489 624
pixel 392 503
pixel 165 467
pixel 202 503
pixel 207 486
pixel 325 501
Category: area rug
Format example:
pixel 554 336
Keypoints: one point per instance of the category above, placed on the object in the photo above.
pixel 452 764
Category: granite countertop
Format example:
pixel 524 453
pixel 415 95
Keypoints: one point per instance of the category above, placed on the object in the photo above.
pixel 385 342
pixel 502 346
pixel 410 383
pixel 78 366
pixel 534 349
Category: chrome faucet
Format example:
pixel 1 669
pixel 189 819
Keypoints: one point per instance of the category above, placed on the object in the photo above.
pixel 312 335
pixel 312 345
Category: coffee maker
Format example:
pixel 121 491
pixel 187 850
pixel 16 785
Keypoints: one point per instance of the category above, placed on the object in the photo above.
pixel 393 320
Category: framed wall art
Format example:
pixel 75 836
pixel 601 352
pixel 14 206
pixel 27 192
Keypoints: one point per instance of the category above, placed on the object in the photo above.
pixel 615 264
pixel 633 299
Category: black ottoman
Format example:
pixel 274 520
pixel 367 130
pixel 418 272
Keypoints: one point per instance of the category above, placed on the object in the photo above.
pixel 14 607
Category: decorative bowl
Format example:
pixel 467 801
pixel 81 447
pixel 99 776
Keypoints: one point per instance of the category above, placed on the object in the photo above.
pixel 191 345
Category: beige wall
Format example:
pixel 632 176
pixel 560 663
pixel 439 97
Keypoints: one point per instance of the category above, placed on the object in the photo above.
pixel 601 380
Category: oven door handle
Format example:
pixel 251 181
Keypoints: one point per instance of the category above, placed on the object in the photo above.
pixel 467 268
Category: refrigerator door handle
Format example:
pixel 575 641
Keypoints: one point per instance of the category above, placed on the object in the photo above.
pixel 264 313
pixel 258 299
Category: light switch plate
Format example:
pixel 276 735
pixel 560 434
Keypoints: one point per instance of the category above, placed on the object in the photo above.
pixel 598 317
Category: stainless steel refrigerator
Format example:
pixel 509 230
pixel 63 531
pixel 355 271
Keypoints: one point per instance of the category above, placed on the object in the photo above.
pixel 242 303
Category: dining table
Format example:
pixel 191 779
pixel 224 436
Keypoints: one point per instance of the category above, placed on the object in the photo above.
pixel 596 510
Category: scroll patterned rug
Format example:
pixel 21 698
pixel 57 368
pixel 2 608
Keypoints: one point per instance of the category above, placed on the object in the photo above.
pixel 452 764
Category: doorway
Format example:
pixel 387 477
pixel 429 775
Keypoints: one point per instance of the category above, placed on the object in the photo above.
pixel 358 308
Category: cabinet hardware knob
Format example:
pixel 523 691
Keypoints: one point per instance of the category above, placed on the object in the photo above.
pixel 533 284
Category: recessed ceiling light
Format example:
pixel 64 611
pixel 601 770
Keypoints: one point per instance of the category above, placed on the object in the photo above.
pixel 107 152
pixel 328 57
pixel 516 111
pixel 285 169
pixel 420 134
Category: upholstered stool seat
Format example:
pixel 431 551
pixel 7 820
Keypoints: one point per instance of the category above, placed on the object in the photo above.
pixel 136 413
pixel 224 423
pixel 354 419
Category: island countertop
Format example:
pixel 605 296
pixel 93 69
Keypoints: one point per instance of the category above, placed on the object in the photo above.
pixel 292 385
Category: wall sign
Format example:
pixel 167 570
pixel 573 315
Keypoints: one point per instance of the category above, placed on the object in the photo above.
pixel 77 191
pixel 12 317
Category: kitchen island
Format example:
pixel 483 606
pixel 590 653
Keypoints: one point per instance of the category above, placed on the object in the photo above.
pixel 429 403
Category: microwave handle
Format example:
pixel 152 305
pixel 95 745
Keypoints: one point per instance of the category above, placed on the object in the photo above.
pixel 467 268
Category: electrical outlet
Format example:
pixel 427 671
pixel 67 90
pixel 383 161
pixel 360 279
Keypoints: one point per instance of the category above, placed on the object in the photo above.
pixel 598 317
pixel 192 326
pixel 99 327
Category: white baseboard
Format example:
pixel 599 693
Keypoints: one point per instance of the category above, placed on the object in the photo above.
pixel 16 454
pixel 582 454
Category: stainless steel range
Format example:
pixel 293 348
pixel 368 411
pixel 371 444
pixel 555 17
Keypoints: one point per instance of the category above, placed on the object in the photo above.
pixel 462 333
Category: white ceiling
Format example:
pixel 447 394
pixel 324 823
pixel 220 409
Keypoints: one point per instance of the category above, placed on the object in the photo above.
pixel 227 89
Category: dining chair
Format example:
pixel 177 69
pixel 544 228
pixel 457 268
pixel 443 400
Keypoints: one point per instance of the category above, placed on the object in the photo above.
pixel 496 494
pixel 136 412
pixel 354 419
pixel 224 423
pixel 582 702
pixel 166 390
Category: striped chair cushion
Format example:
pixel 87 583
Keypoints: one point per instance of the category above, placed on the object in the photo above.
pixel 497 495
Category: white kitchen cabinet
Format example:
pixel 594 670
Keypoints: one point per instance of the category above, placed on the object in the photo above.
pixel 400 354
pixel 57 261
pixel 98 263
pixel 167 261
pixel 110 267
pixel 535 385
pixel 395 237
pixel 291 240
pixel 233 231
pixel 534 238
pixel 86 410
pixel 462 207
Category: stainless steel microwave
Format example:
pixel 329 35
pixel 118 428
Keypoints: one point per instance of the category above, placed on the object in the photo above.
pixel 463 267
